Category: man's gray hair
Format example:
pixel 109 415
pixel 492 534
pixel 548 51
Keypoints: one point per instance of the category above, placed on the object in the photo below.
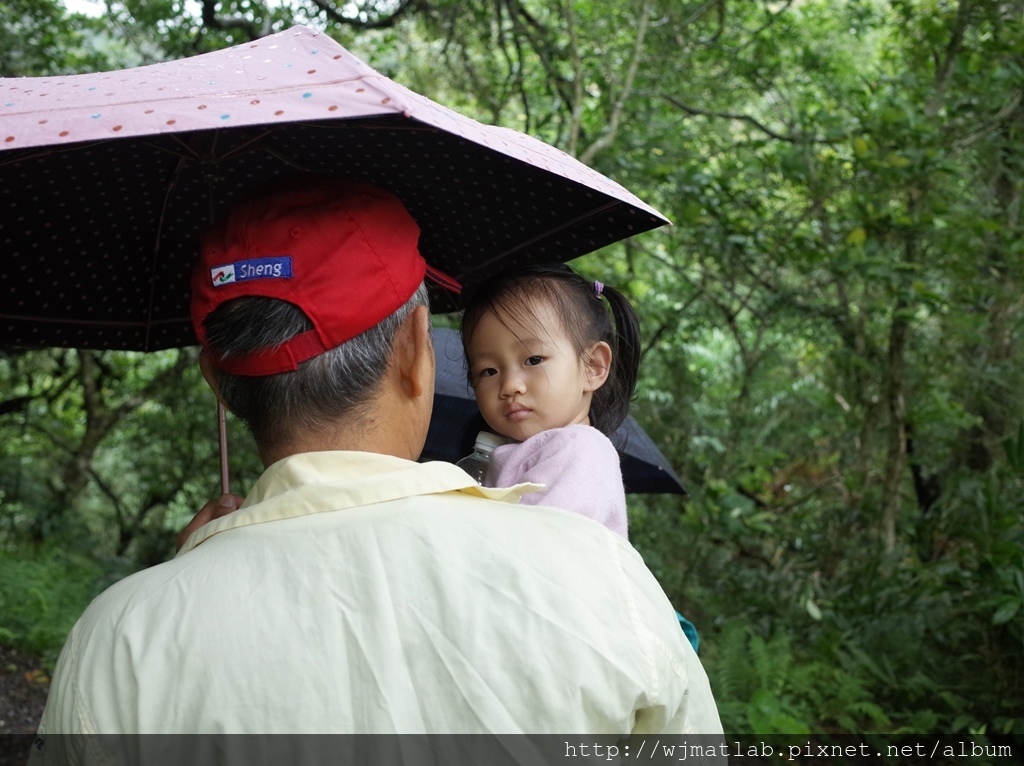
pixel 337 383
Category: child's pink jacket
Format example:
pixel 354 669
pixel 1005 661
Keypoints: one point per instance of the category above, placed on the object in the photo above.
pixel 578 466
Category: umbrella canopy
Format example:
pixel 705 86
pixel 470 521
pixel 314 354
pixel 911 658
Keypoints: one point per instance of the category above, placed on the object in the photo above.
pixel 107 179
pixel 456 421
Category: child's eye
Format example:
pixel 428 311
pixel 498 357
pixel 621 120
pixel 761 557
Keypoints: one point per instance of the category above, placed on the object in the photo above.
pixel 534 361
pixel 486 372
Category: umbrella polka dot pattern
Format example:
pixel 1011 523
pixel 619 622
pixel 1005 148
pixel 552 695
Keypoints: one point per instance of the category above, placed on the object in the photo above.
pixel 107 179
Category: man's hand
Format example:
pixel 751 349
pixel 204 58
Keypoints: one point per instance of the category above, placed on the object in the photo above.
pixel 214 509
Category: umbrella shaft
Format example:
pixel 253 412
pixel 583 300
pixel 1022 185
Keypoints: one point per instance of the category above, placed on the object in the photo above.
pixel 222 429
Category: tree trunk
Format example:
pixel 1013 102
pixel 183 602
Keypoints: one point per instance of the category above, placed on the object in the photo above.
pixel 896 455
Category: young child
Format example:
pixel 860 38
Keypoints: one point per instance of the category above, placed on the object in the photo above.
pixel 553 360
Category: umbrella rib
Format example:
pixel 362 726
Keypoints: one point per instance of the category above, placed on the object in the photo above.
pixel 186 153
pixel 243 147
pixel 407 125
pixel 191 154
pixel 287 160
pixel 46 152
pixel 52 151
pixel 90 322
pixel 540 237
pixel 156 246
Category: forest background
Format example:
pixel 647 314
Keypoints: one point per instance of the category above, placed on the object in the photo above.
pixel 832 329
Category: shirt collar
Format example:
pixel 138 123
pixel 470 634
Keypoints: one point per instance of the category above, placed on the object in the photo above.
pixel 348 479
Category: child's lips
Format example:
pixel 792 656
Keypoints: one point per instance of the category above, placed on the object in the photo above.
pixel 517 412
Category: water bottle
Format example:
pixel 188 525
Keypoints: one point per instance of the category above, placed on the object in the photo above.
pixel 476 463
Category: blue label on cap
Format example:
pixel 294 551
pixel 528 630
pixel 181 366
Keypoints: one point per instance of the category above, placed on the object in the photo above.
pixel 275 267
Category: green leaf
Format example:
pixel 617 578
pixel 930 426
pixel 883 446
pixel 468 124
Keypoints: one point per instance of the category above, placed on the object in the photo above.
pixel 857 236
pixel 767 715
pixel 1006 612
pixel 812 609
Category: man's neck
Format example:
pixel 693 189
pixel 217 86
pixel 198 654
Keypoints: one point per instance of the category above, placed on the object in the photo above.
pixel 365 433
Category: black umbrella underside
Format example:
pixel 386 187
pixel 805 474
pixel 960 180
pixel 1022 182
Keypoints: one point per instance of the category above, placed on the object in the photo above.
pixel 97 239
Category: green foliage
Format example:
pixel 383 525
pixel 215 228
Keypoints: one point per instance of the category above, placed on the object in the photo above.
pixel 119 482
pixel 42 593
pixel 853 643
pixel 764 686
pixel 832 327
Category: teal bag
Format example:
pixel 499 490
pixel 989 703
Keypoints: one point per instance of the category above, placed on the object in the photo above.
pixel 690 630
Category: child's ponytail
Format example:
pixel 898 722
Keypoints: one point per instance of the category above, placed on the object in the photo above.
pixel 610 405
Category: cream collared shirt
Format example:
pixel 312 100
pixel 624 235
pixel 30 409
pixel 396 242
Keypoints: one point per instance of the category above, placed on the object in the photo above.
pixel 361 593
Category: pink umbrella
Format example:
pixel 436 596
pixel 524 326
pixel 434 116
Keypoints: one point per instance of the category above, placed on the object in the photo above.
pixel 107 179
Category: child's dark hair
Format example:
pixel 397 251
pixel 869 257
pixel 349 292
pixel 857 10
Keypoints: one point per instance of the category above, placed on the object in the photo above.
pixel 586 318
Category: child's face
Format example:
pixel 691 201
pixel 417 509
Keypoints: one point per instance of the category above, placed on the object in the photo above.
pixel 526 374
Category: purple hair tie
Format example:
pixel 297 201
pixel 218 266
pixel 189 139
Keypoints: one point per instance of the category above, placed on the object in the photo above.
pixel 598 289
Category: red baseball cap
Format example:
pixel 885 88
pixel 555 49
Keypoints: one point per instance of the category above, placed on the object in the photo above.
pixel 343 252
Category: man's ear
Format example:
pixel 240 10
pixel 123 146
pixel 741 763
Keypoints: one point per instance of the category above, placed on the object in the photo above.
pixel 415 354
pixel 597 364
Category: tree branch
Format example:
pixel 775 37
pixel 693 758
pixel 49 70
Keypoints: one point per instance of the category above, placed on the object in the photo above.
pixel 248 26
pixel 944 70
pixel 772 16
pixel 186 359
pixel 17 404
pixel 115 500
pixel 1008 111
pixel 697 112
pixel 608 137
pixel 383 22
pixel 576 116
pixel 535 32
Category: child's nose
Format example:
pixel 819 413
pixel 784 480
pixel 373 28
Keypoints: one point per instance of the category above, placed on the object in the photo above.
pixel 512 384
